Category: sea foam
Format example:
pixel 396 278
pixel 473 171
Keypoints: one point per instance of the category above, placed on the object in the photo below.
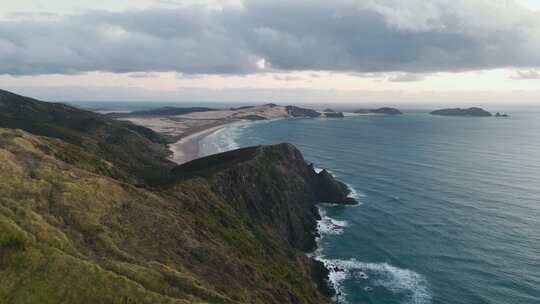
pixel 411 286
pixel 226 138
pixel 408 283
pixel 222 140
pixel 328 225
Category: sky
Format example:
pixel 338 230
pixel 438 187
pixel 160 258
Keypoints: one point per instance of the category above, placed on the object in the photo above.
pixel 380 51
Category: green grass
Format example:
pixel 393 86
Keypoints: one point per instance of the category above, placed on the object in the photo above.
pixel 70 233
pixel 12 242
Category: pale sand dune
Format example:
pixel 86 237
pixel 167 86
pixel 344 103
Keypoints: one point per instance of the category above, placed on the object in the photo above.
pixel 190 129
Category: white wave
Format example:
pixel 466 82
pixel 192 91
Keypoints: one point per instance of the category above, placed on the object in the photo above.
pixel 408 283
pixel 328 225
pixel 226 139
pixel 221 140
pixel 411 285
pixel 355 194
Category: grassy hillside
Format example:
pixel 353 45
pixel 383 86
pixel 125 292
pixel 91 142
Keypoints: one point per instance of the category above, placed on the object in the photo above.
pixel 137 153
pixel 71 233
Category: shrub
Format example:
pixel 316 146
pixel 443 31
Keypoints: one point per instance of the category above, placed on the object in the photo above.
pixel 12 241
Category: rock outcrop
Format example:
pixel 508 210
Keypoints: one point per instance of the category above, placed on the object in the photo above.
pixel 329 190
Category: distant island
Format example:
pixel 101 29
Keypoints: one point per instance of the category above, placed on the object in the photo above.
pixel 330 113
pixel 384 110
pixel 501 115
pixel 474 111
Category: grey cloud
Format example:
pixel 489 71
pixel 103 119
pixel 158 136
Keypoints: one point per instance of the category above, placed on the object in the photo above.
pixel 526 75
pixel 406 77
pixel 143 75
pixel 187 40
pixel 368 36
pixel 286 77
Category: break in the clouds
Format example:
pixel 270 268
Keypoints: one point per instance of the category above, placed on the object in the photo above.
pixel 365 36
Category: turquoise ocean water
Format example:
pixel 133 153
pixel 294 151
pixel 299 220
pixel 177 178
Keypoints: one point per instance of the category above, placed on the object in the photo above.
pixel 450 206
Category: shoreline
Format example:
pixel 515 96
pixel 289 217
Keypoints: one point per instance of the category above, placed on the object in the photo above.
pixel 187 148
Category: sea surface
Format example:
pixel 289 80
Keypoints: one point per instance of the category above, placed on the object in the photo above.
pixel 450 206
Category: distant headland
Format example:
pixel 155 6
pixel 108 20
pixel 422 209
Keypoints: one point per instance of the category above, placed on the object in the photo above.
pixel 384 110
pixel 474 111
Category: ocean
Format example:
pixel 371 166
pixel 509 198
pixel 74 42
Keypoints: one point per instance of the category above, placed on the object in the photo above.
pixel 450 206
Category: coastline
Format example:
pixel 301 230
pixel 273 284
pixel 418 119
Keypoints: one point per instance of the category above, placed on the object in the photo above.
pixel 335 270
pixel 327 274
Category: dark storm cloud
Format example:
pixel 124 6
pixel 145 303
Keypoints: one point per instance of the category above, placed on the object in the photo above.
pixel 344 35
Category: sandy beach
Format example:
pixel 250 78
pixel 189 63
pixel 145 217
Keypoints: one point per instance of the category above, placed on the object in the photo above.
pixel 186 131
pixel 188 147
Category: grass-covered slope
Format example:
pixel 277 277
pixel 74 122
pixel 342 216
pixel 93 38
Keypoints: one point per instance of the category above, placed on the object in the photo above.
pixel 136 152
pixel 70 233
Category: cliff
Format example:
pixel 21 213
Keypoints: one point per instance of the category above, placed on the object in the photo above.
pixel 228 228
pixel 475 112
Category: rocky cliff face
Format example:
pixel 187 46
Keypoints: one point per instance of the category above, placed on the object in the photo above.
pixel 272 185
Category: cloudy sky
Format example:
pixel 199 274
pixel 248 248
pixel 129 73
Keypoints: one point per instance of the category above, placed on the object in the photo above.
pixel 280 50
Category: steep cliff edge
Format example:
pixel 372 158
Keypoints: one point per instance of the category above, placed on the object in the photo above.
pixel 272 185
pixel 229 228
